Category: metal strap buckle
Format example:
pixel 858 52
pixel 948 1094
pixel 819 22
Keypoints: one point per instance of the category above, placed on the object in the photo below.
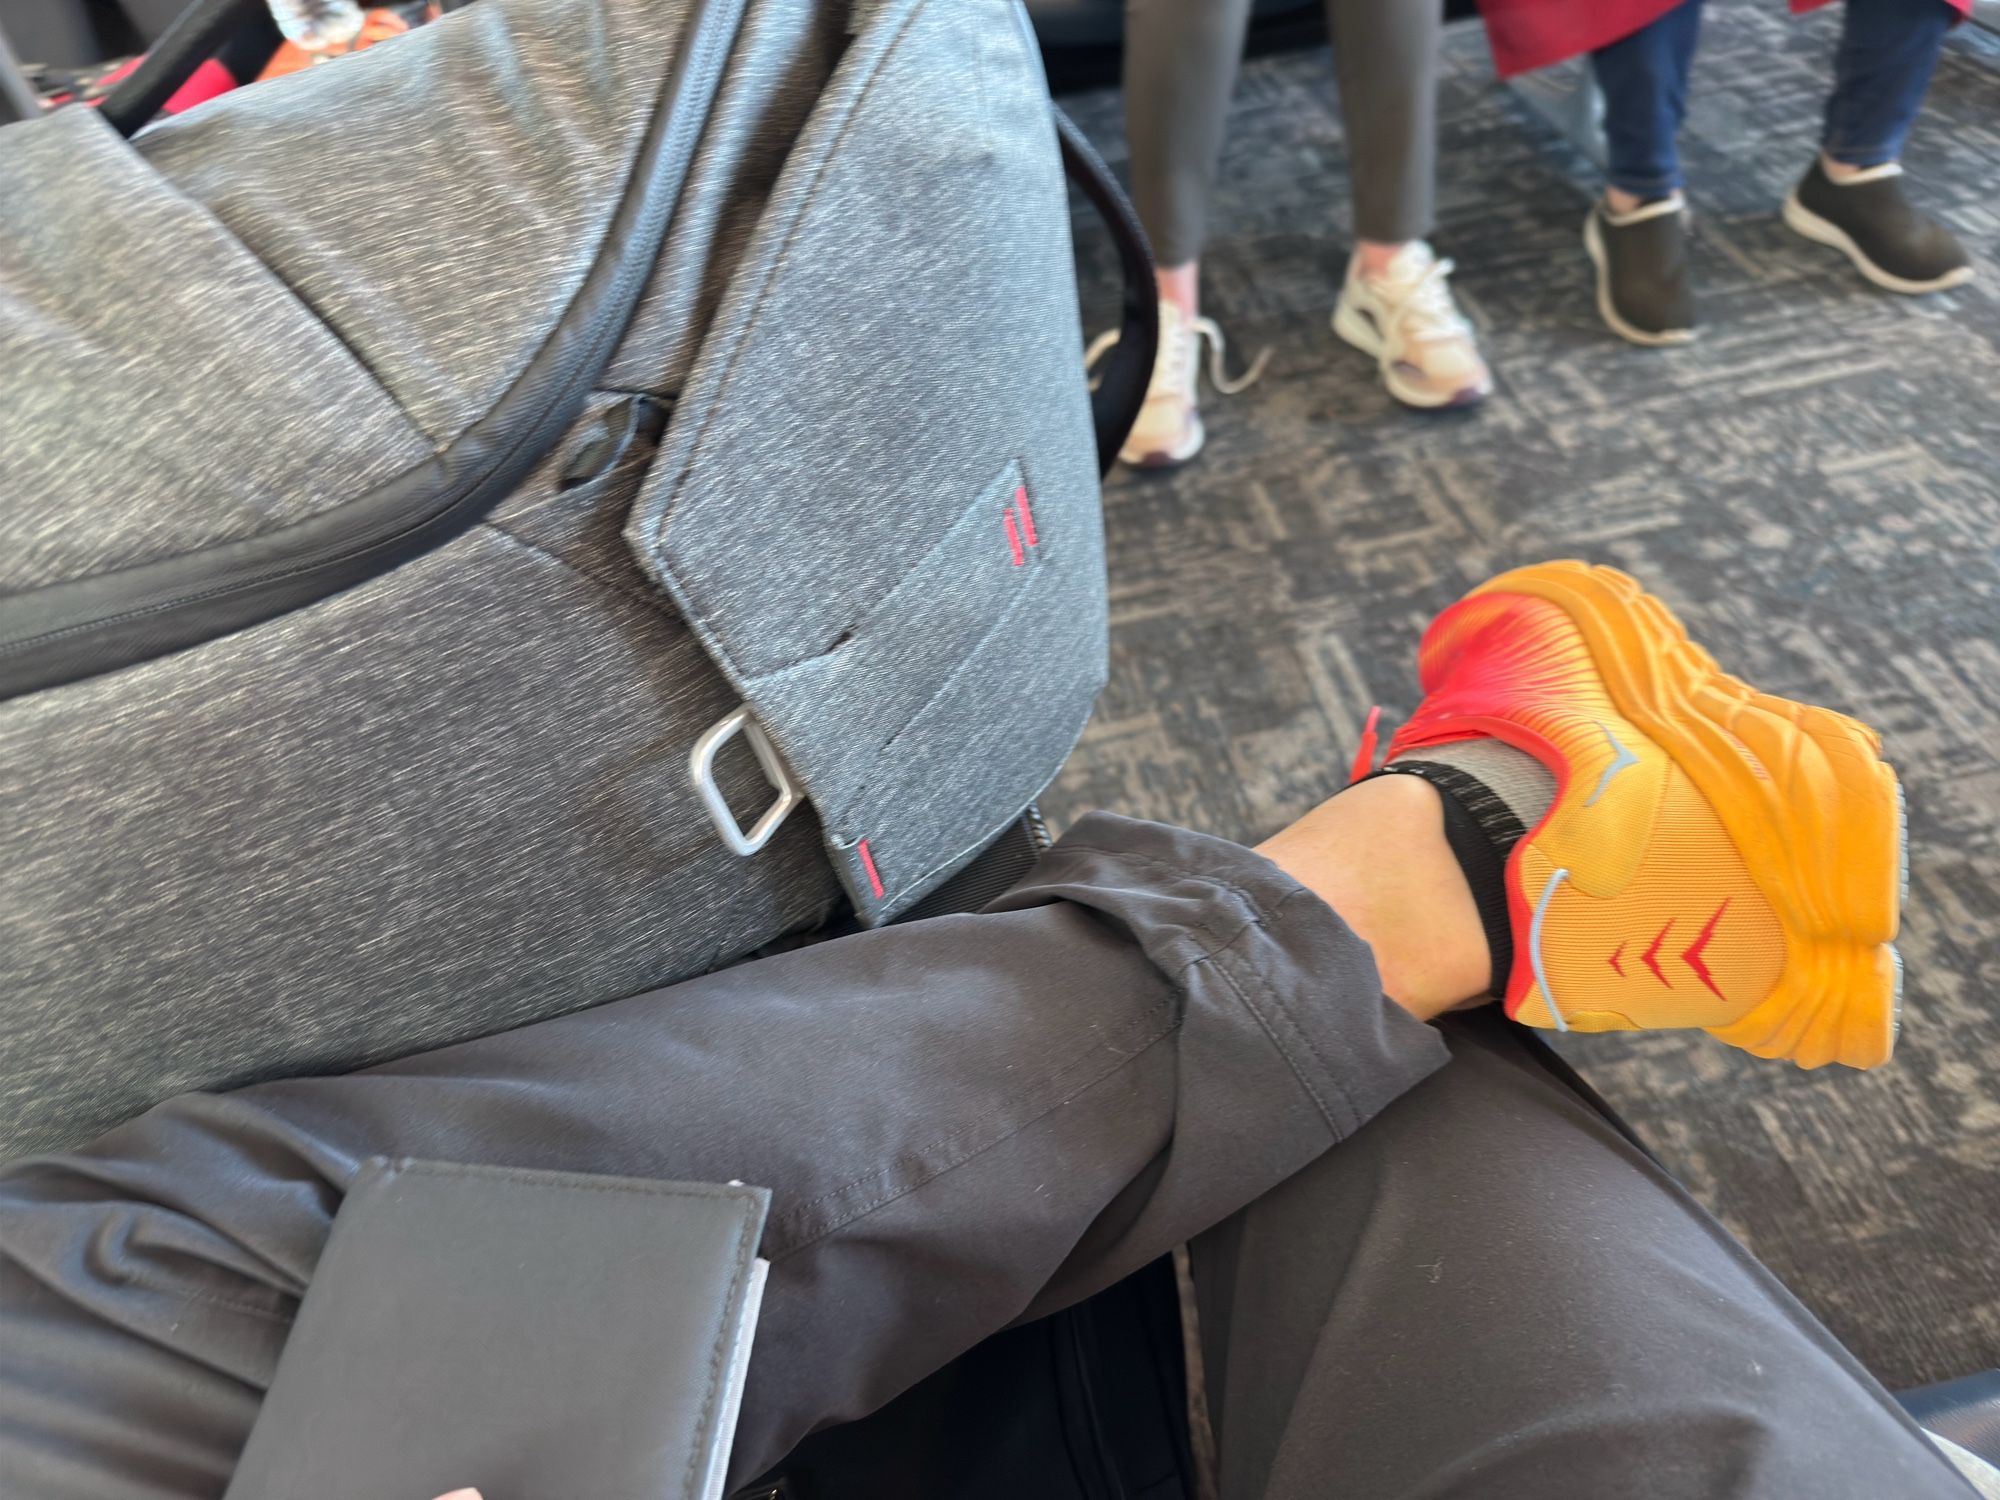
pixel 701 767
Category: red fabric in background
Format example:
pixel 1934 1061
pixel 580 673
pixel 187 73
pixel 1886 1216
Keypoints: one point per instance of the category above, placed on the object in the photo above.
pixel 208 80
pixel 1529 34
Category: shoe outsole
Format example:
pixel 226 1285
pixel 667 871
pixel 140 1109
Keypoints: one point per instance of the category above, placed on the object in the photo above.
pixel 1157 459
pixel 1351 328
pixel 1666 338
pixel 1823 231
pixel 1804 794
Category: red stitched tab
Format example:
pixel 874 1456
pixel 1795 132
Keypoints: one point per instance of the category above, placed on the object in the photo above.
pixel 868 864
pixel 1364 757
pixel 1014 538
pixel 1027 515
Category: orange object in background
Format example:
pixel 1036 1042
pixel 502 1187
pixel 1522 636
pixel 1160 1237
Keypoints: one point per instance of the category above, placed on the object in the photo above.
pixel 378 26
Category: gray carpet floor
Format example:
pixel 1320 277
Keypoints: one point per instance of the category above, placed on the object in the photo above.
pixel 1814 487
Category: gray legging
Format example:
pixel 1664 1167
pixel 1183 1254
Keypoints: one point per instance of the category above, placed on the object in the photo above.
pixel 1180 65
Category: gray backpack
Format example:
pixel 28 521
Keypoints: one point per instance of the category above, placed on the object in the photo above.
pixel 520 515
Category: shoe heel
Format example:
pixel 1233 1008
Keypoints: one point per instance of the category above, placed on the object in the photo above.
pixel 1843 832
pixel 1804 795
pixel 1351 328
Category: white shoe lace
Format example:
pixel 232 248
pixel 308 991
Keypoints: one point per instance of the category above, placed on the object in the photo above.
pixel 1421 310
pixel 1180 342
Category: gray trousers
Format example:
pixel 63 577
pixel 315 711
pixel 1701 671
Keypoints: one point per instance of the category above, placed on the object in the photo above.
pixel 1436 1271
pixel 1180 68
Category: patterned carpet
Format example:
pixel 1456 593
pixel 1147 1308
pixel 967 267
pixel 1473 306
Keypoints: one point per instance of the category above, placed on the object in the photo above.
pixel 1815 487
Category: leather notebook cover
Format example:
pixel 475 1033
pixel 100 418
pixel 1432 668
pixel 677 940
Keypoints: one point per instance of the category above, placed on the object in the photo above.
pixel 536 1335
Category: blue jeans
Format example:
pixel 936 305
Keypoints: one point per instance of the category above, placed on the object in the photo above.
pixel 1644 77
pixel 1887 51
pixel 1881 70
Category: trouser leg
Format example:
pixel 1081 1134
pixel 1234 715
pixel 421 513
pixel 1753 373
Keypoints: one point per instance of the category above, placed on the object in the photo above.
pixel 963 1122
pixel 1644 77
pixel 1888 50
pixel 1181 58
pixel 1491 1293
pixel 1386 55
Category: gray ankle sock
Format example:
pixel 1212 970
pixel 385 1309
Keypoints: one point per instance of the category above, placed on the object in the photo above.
pixel 1521 785
pixel 1493 794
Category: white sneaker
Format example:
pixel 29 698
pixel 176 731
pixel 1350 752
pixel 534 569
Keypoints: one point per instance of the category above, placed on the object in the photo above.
pixel 1169 430
pixel 1407 320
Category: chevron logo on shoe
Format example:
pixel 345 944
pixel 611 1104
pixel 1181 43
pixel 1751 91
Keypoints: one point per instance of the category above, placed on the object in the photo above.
pixel 1691 954
pixel 1651 957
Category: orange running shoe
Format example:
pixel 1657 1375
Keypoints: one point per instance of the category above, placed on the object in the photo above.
pixel 1714 856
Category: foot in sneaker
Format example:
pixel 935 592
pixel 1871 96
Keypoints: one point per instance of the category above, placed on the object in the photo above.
pixel 1711 857
pixel 1407 320
pixel 1868 219
pixel 1644 291
pixel 1169 432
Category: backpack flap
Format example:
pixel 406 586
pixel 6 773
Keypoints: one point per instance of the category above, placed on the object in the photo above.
pixel 877 500
pixel 282 343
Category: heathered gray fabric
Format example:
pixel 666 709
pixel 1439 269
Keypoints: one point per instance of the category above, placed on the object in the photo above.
pixel 784 55
pixel 438 200
pixel 455 798
pixel 149 361
pixel 1526 785
pixel 443 804
pixel 887 369
pixel 582 526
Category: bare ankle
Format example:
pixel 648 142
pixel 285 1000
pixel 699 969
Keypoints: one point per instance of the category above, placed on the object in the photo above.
pixel 1372 257
pixel 1181 285
pixel 1377 855
pixel 1621 202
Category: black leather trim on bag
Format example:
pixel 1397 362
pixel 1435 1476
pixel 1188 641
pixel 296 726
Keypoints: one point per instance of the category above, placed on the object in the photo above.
pixel 18 99
pixel 69 631
pixel 196 35
pixel 1114 405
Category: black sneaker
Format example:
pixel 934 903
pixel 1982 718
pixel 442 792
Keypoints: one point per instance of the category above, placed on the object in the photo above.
pixel 1643 289
pixel 1892 243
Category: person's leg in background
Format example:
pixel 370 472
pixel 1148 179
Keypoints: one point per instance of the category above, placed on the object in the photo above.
pixel 1489 1294
pixel 1395 300
pixel 1181 58
pixel 1181 61
pixel 1636 234
pixel 1852 196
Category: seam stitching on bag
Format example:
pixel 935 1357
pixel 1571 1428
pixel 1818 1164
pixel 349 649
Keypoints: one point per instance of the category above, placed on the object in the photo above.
pixel 653 605
pixel 173 188
pixel 882 599
pixel 485 471
pixel 656 532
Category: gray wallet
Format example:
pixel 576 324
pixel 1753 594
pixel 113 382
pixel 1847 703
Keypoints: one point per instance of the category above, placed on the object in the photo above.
pixel 536 1335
